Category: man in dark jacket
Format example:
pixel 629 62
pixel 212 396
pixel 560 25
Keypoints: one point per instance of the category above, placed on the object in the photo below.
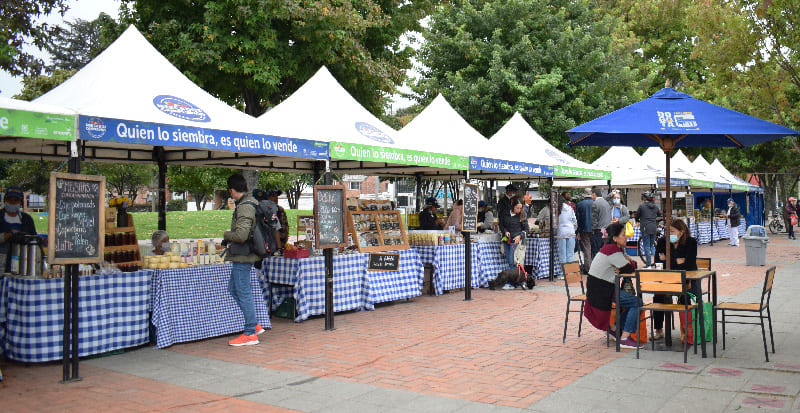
pixel 14 223
pixel 648 214
pixel 427 218
pixel 242 258
pixel 601 218
pixel 734 219
pixel 503 204
pixel 584 215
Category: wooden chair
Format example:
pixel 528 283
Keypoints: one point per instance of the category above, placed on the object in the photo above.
pixel 670 282
pixel 704 264
pixel 749 310
pixel 572 275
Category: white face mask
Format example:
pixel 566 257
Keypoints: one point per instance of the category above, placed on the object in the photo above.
pixel 11 207
pixel 165 247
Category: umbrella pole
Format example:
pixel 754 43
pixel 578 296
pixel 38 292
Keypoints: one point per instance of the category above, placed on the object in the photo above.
pixel 667 207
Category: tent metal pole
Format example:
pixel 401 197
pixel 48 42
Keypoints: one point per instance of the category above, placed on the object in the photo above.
pixel 328 255
pixel 71 297
pixel 158 154
pixel 467 257
pixel 713 218
pixel 553 207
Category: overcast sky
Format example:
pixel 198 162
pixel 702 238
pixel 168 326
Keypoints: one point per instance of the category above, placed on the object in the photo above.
pixel 83 9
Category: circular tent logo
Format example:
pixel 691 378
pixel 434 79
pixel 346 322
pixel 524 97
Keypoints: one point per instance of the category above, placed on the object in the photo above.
pixel 555 156
pixel 95 128
pixel 373 133
pixel 180 108
pixel 338 149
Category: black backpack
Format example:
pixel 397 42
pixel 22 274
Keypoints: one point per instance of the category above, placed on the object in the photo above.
pixel 262 242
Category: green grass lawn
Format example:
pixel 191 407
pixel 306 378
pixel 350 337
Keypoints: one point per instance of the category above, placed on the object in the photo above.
pixel 184 224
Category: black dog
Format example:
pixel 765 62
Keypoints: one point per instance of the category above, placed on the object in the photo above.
pixel 517 277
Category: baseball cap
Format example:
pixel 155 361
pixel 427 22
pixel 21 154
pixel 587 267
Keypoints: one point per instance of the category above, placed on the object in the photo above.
pixel 431 201
pixel 274 192
pixel 481 204
pixel 511 188
pixel 14 192
pixel 259 194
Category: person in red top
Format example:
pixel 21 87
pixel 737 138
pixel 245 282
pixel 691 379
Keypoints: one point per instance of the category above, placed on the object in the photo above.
pixel 789 210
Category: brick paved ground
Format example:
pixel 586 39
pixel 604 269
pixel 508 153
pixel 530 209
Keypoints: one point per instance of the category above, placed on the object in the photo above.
pixel 502 348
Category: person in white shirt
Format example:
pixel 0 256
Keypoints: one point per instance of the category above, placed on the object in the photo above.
pixel 567 228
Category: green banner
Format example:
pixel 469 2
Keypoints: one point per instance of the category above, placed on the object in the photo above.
pixel 571 172
pixel 358 152
pixel 739 187
pixel 699 183
pixel 25 124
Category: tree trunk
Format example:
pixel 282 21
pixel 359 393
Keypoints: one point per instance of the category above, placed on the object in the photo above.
pixel 251 176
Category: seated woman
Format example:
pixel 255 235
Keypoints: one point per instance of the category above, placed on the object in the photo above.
pixel 160 240
pixel 610 260
pixel 683 256
pixel 456 216
pixel 514 226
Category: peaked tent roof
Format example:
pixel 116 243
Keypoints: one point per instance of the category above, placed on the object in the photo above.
pixel 654 159
pixel 360 143
pixel 21 120
pixel 439 128
pixel 720 181
pixel 518 141
pixel 737 183
pixel 131 99
pixel 697 178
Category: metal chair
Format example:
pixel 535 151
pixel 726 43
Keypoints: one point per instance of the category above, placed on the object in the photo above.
pixel 572 275
pixel 741 310
pixel 670 282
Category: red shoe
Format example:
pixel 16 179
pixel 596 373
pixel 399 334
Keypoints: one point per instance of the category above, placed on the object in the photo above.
pixel 244 340
pixel 259 330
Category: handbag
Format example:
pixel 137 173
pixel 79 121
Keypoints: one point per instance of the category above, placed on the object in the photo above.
pixel 629 229
pixel 694 321
pixel 794 219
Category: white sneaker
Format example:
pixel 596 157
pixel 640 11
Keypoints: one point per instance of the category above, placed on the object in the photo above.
pixel 508 287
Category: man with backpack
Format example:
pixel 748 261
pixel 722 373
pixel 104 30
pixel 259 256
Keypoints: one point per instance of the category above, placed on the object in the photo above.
pixel 240 253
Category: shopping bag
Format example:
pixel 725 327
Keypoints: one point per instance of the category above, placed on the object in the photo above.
pixel 794 219
pixel 642 337
pixel 708 334
pixel 629 232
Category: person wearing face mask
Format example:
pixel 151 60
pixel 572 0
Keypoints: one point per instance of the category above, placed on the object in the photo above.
pixel 14 223
pixel 160 240
pixel 619 212
pixel 514 226
pixel 683 256
pixel 733 218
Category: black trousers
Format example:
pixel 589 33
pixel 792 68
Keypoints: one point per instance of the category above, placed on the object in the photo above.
pixel 658 316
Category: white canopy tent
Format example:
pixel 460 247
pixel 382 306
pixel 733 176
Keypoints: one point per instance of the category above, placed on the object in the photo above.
pixel 518 142
pixel 628 170
pixel 131 100
pixel 736 182
pixel 360 143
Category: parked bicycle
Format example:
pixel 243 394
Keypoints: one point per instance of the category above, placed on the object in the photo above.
pixel 775 222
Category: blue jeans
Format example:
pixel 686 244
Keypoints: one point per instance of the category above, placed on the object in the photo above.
pixel 649 247
pixel 566 249
pixel 242 292
pixel 509 249
pixel 629 311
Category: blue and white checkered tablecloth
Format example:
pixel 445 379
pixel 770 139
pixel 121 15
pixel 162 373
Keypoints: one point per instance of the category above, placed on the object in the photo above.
pixel 538 253
pixel 194 303
pixel 703 233
pixel 112 314
pixel 448 264
pixel 492 260
pixel 406 282
pixel 637 233
pixel 350 287
pixel 426 253
pixel 281 274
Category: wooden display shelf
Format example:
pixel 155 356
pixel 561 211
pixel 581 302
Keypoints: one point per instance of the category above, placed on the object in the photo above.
pixel 372 216
pixel 128 247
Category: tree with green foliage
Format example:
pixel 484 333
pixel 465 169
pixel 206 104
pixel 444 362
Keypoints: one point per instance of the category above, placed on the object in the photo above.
pixel 200 182
pixel 753 57
pixel 19 27
pixel 79 43
pixel 554 61
pixel 255 53
pixel 31 176
pixel 37 85
pixel 124 178
pixel 291 184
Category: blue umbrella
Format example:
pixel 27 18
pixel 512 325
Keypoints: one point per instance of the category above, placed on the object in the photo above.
pixel 670 119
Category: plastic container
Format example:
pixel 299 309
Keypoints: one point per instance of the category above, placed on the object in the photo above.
pixel 755 244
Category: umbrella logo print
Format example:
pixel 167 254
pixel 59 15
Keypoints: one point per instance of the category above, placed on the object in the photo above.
pixel 677 120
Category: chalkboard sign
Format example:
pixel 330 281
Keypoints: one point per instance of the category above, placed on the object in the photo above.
pixel 76 219
pixel 330 229
pixel 469 222
pixel 384 262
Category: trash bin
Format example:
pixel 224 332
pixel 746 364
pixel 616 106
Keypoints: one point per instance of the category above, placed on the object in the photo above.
pixel 755 244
